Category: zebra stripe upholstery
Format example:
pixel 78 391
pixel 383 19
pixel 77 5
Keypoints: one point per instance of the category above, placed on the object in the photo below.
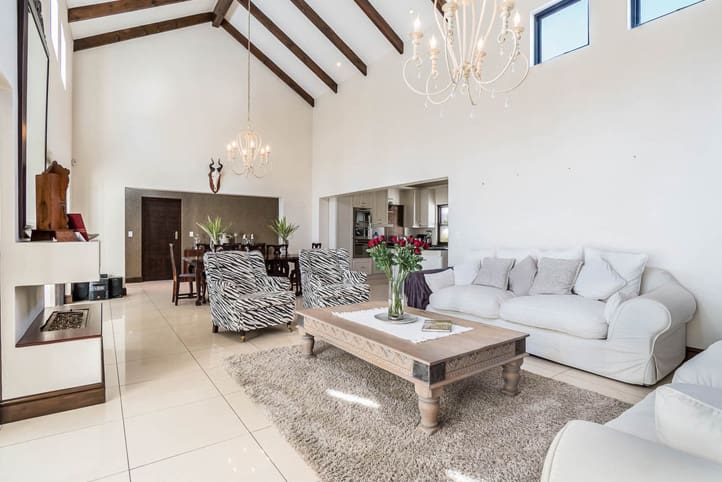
pixel 242 296
pixel 327 279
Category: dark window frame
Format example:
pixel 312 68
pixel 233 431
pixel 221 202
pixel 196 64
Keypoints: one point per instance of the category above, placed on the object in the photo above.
pixel 439 207
pixel 539 18
pixel 636 12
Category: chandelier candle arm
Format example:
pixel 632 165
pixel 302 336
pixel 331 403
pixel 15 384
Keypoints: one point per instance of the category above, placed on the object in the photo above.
pixel 464 29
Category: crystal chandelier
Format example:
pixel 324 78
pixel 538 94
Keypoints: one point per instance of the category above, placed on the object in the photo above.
pixel 247 153
pixel 464 31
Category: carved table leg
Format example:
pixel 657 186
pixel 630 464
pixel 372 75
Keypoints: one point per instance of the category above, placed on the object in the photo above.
pixel 511 372
pixel 308 342
pixel 429 408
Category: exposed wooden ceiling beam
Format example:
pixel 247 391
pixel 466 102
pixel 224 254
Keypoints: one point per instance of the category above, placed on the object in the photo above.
pixel 88 12
pixel 290 44
pixel 267 62
pixel 141 31
pixel 330 34
pixel 220 11
pixel 381 24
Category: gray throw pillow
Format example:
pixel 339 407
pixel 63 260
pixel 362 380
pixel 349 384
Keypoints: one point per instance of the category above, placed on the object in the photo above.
pixel 522 276
pixel 555 276
pixel 494 272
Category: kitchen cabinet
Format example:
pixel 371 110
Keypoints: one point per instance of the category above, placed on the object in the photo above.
pixel 393 195
pixel 364 265
pixel 380 208
pixel 363 200
pixel 420 208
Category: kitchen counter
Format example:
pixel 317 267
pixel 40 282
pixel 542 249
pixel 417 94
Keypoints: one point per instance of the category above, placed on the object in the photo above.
pixel 435 258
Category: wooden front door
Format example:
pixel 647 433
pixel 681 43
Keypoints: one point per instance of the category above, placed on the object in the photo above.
pixel 160 225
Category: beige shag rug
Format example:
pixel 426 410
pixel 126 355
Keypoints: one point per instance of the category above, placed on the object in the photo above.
pixel 354 422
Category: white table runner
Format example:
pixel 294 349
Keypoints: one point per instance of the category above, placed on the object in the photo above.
pixel 408 331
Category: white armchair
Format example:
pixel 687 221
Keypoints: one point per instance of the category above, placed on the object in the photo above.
pixel 585 451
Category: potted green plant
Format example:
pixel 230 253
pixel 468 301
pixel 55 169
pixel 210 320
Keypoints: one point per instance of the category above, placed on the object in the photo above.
pixel 213 228
pixel 283 229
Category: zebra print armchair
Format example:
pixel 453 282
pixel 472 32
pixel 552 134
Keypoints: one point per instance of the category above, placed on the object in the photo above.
pixel 327 279
pixel 242 296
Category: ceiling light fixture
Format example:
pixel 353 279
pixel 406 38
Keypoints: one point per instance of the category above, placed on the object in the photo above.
pixel 247 153
pixel 464 33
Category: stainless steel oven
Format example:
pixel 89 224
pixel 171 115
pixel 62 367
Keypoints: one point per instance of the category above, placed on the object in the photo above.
pixel 359 248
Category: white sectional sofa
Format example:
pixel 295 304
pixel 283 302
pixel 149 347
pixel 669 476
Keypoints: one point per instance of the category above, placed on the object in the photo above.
pixel 639 341
pixel 630 447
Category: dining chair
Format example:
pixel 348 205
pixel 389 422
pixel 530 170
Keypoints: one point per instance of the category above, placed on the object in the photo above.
pixel 315 245
pixel 179 278
pixel 190 268
pixel 276 265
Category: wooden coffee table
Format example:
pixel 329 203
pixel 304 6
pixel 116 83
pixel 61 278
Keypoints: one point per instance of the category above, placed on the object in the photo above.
pixel 430 365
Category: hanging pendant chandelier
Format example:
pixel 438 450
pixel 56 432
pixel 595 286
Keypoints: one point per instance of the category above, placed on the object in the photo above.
pixel 246 153
pixel 464 34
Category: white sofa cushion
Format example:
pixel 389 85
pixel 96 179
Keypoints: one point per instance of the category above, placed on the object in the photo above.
pixel 630 266
pixel 613 303
pixel 465 273
pixel 440 280
pixel 703 369
pixel 570 253
pixel 481 301
pixel 688 424
pixel 598 280
pixel 517 253
pixel 571 314
pixel 639 420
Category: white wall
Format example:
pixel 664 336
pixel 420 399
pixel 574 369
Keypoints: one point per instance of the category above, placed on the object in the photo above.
pixel 615 145
pixel 149 113
pixel 24 371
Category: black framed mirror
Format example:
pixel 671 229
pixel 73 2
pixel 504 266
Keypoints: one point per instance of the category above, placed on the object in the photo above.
pixel 33 72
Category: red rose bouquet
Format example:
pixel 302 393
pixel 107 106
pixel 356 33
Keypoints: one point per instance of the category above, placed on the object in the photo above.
pixel 397 257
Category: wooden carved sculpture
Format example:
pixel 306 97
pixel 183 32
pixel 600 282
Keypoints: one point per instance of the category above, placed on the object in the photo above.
pixel 51 188
pixel 214 175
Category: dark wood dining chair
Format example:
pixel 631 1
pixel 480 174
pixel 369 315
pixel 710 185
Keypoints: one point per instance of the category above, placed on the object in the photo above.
pixel 190 268
pixel 276 264
pixel 315 245
pixel 180 278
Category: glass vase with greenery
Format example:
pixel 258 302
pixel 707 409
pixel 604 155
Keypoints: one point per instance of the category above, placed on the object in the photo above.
pixel 397 257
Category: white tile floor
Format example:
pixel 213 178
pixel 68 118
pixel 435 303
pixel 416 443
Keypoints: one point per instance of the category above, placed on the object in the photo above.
pixel 173 414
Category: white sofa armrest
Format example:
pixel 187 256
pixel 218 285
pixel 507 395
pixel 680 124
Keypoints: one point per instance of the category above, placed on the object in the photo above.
pixel 653 313
pixel 585 451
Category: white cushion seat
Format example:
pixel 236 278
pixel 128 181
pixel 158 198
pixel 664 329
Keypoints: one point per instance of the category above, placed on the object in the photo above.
pixel 704 369
pixel 639 419
pixel 477 300
pixel 570 314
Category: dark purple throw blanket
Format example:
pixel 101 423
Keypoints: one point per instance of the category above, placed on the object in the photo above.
pixel 416 290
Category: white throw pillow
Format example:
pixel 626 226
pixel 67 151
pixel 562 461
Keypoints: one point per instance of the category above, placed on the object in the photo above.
pixel 598 280
pixel 629 266
pixel 494 272
pixel 465 273
pixel 571 253
pixel 613 304
pixel 687 424
pixel 439 281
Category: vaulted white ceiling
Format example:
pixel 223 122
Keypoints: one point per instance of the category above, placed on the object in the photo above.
pixel 344 16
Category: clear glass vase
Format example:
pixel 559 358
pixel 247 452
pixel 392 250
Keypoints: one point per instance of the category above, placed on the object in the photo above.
pixel 397 301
